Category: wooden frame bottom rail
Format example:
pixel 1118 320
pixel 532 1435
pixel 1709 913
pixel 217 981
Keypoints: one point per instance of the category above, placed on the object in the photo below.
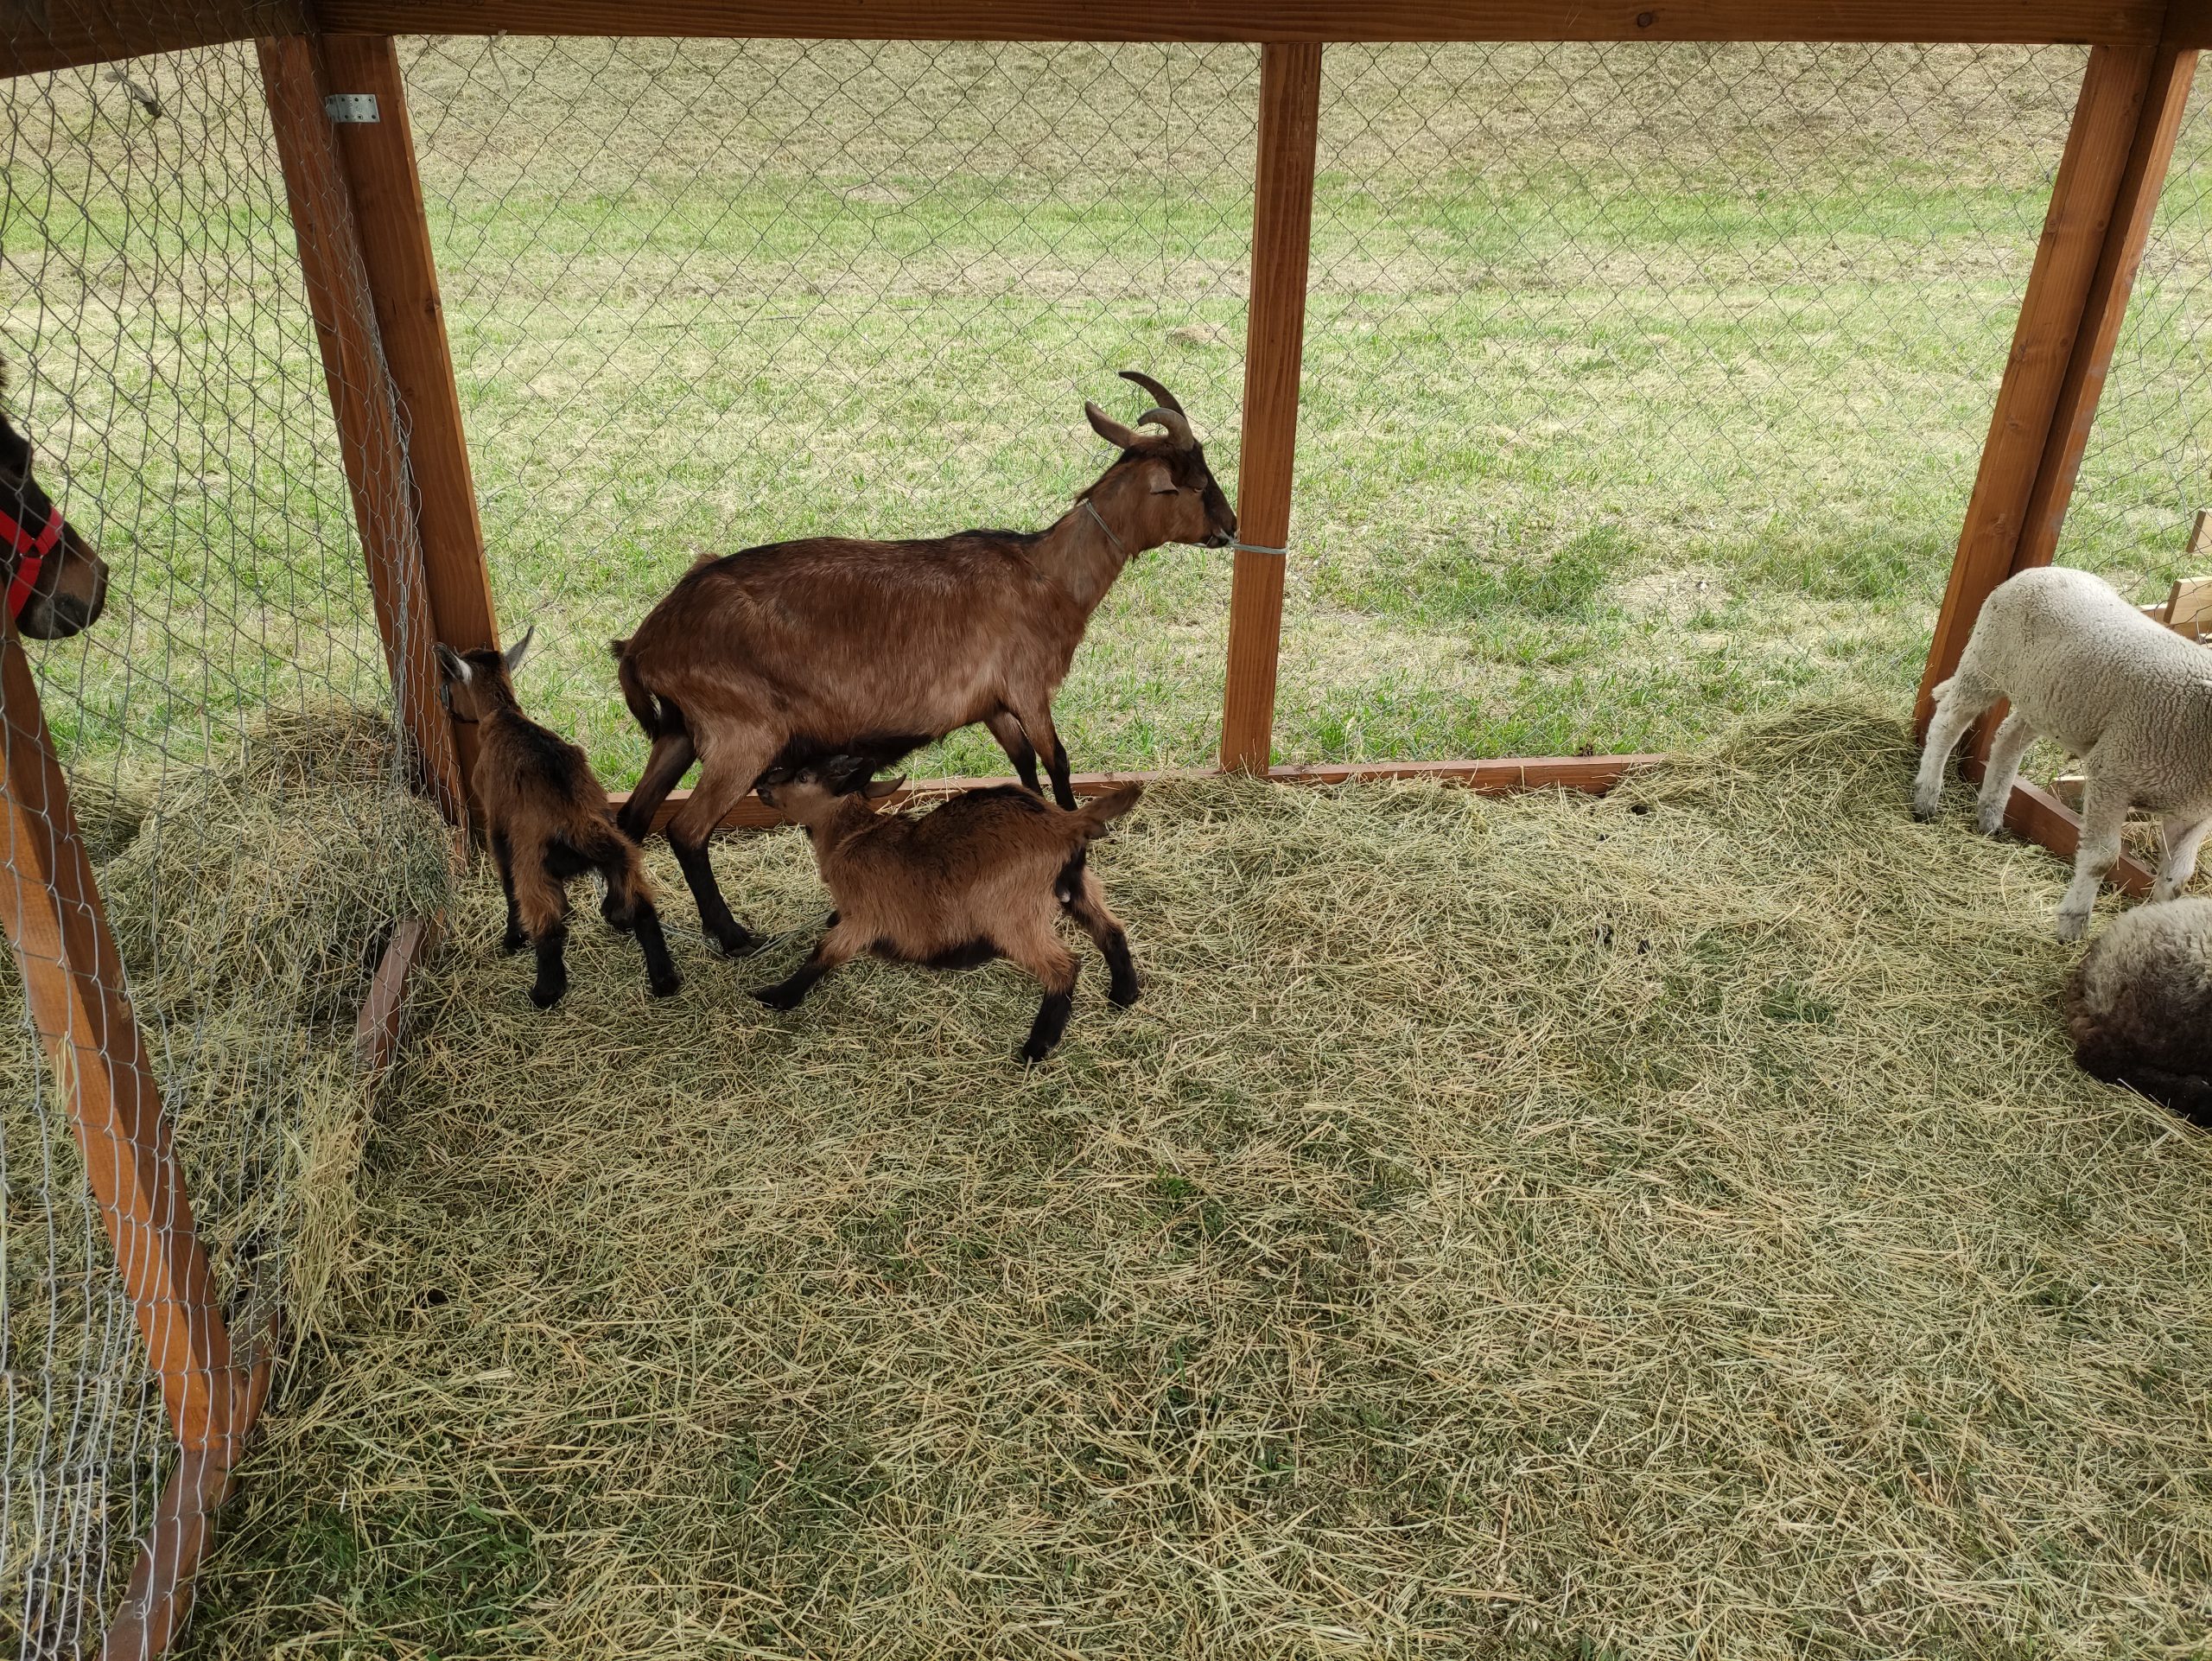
pixel 1594 774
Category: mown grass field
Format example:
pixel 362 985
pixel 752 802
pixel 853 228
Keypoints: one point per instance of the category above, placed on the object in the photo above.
pixel 1643 386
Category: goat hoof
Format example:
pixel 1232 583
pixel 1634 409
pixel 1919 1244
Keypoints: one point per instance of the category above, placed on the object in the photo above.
pixel 514 941
pixel 618 921
pixel 1122 996
pixel 743 944
pixel 1924 811
pixel 546 997
pixel 1029 1055
pixel 2072 927
pixel 667 989
pixel 776 998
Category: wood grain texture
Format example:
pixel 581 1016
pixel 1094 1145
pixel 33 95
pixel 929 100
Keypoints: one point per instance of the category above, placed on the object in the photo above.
pixel 375 1031
pixel 2114 23
pixel 403 277
pixel 1595 774
pixel 36 35
pixel 369 425
pixel 2126 232
pixel 54 919
pixel 2083 198
pixel 1275 352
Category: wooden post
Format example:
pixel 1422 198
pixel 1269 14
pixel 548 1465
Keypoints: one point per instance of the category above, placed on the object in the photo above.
pixel 387 198
pixel 370 429
pixel 73 976
pixel 1274 343
pixel 2052 316
pixel 2125 234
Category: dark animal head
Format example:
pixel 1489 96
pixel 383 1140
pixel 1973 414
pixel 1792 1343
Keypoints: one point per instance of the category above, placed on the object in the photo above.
pixel 1181 501
pixel 810 794
pixel 56 585
pixel 474 684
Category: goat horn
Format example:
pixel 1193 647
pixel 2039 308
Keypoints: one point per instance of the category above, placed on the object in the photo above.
pixel 1178 430
pixel 1166 398
pixel 1112 431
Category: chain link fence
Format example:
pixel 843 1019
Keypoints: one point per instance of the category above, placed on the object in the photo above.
pixel 226 728
pixel 1644 388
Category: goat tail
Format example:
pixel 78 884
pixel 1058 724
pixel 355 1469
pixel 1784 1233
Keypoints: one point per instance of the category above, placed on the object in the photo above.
pixel 1101 811
pixel 653 713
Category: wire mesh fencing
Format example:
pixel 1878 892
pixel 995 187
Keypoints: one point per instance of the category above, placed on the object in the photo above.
pixel 703 294
pixel 226 729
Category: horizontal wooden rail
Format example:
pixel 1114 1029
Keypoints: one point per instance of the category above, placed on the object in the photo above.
pixel 1594 773
pixel 2115 22
pixel 45 35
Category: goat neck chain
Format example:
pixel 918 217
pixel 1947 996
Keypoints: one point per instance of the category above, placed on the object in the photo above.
pixel 1099 519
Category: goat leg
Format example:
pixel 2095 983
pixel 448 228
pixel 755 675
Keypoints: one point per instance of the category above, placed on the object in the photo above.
pixel 503 855
pixel 660 969
pixel 1055 967
pixel 829 952
pixel 1015 742
pixel 1087 905
pixel 552 971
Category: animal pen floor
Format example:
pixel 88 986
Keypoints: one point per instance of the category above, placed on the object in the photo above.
pixel 1669 1225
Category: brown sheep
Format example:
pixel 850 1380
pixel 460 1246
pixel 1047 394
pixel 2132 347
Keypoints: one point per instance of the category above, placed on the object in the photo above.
pixel 549 821
pixel 2140 1006
pixel 985 875
pixel 783 655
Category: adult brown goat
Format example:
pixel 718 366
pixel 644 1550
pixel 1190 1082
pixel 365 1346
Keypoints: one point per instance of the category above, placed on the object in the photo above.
pixel 782 655
pixel 985 875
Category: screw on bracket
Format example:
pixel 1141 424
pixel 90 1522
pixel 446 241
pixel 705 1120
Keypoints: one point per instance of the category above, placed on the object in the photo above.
pixel 351 107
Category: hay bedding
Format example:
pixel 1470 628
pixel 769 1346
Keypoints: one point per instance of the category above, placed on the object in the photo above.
pixel 1657 1226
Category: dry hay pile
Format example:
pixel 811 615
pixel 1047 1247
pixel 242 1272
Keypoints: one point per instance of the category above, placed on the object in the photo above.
pixel 1656 1226
pixel 249 900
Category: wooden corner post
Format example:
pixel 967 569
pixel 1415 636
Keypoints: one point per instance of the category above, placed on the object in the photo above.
pixel 2115 159
pixel 1275 346
pixel 51 910
pixel 357 210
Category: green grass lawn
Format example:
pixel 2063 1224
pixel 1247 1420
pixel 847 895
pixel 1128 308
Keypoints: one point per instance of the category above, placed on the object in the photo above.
pixel 1643 386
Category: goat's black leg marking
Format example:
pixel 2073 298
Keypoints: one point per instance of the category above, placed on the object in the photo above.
pixel 1045 1031
pixel 1063 781
pixel 503 855
pixel 787 993
pixel 1121 991
pixel 552 972
pixel 660 967
pixel 731 937
pixel 1024 764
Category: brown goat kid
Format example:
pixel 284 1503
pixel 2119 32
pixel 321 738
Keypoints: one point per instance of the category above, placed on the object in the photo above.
pixel 783 655
pixel 985 876
pixel 549 821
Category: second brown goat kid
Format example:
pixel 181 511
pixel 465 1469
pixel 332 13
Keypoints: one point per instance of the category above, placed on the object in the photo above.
pixel 549 821
pixel 985 876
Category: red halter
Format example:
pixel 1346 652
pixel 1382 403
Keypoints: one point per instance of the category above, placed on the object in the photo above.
pixel 30 556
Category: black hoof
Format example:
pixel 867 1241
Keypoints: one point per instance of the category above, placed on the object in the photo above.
pixel 1029 1055
pixel 618 921
pixel 1122 996
pixel 546 997
pixel 743 944
pixel 778 998
pixel 514 942
pixel 667 989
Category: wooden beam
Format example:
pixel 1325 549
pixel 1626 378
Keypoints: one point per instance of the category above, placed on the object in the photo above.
pixel 2112 22
pixel 2051 317
pixel 2126 232
pixel 370 427
pixel 1595 774
pixel 1274 349
pixel 52 913
pixel 46 34
pixel 159 1594
pixel 403 274
pixel 375 1033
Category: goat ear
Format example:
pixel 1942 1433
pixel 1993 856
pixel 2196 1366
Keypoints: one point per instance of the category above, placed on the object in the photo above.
pixel 881 788
pixel 1158 479
pixel 455 665
pixel 515 653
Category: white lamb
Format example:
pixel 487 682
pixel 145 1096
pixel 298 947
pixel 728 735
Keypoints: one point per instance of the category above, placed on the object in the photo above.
pixel 2085 669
